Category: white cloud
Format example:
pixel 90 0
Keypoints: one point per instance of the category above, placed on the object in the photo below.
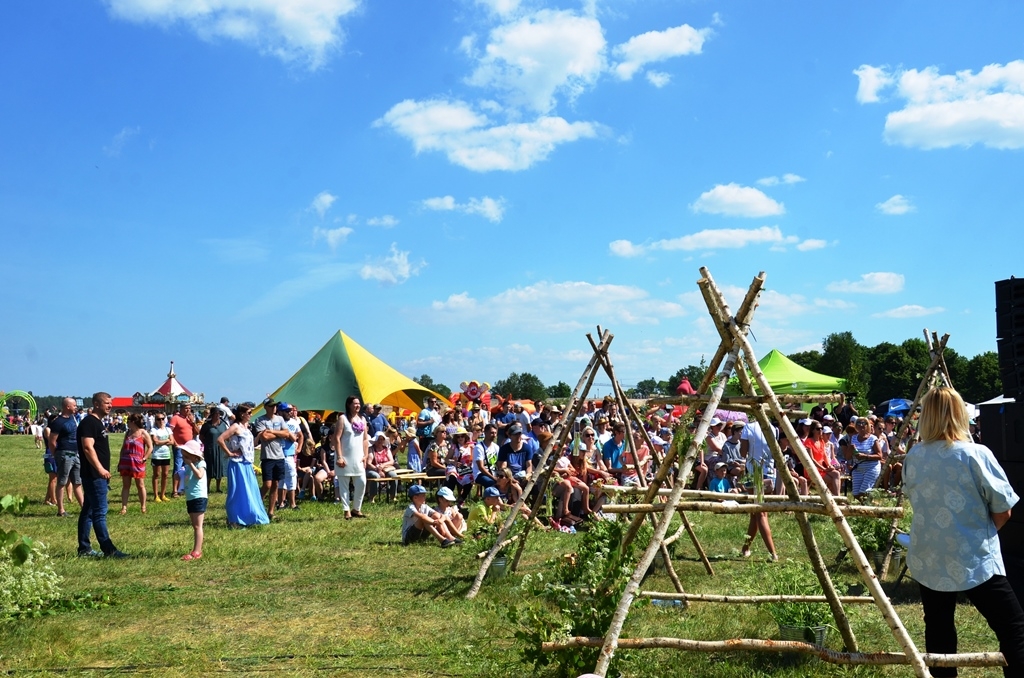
pixel 833 305
pixel 557 307
pixel 393 269
pixel 386 221
pixel 500 7
pixel 333 236
pixel 292 30
pixel 310 282
pixel 709 239
pixel 870 283
pixel 871 79
pixel 489 208
pixel 537 56
pixel 895 205
pixel 908 311
pixel 322 202
pixel 961 109
pixel 113 149
pixel 737 201
pixel 658 79
pixel 785 179
pixel 811 244
pixel 470 140
pixel 655 46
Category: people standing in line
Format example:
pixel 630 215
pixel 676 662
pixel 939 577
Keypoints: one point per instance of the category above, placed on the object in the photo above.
pixel 196 495
pixel 135 451
pixel 961 498
pixel 271 433
pixel 353 446
pixel 209 433
pixel 184 428
pixel 243 505
pixel 94 449
pixel 64 443
pixel 163 444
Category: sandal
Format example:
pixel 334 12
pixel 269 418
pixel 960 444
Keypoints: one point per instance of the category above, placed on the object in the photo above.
pixel 192 556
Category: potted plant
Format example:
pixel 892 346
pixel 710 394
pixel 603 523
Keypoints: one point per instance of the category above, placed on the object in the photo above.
pixel 808 622
pixel 485 539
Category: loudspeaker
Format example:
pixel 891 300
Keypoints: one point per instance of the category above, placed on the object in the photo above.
pixel 1002 431
pixel 1011 352
pixel 1010 323
pixel 1009 293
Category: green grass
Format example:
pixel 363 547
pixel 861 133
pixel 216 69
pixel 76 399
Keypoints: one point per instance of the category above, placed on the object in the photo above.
pixel 314 594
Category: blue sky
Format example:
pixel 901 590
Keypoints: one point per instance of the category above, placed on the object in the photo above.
pixel 466 188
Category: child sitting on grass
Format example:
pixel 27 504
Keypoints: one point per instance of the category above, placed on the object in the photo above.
pixel 453 519
pixel 420 521
pixel 195 494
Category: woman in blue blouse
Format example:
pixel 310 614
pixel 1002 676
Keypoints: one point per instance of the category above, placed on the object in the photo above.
pixel 961 498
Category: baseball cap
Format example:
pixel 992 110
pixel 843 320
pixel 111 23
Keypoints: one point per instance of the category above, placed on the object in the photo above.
pixel 284 407
pixel 719 465
pixel 269 402
pixel 446 493
pixel 514 429
pixel 489 492
pixel 417 489
pixel 715 421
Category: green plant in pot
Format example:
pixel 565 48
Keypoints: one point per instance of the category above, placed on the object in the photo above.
pixel 486 538
pixel 797 621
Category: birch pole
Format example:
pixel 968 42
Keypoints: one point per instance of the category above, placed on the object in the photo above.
pixel 560 433
pixel 867 575
pixel 633 586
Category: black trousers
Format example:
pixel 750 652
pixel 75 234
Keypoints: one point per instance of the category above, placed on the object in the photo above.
pixel 996 602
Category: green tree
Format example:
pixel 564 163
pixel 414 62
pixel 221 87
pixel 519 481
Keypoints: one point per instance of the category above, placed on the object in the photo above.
pixel 981 381
pixel 695 373
pixel 425 381
pixel 808 359
pixel 559 390
pixel 523 385
pixel 842 356
pixel 645 389
pixel 894 371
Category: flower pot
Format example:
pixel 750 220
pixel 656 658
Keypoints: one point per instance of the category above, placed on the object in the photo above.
pixel 806 634
pixel 499 566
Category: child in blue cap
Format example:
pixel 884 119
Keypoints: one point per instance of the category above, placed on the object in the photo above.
pixel 419 521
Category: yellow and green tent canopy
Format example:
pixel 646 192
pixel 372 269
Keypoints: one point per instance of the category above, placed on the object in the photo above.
pixel 343 368
pixel 785 376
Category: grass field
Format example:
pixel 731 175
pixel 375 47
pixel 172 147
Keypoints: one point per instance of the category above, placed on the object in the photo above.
pixel 313 594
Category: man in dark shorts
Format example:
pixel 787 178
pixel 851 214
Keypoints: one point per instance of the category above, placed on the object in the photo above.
pixel 64 443
pixel 270 431
pixel 94 450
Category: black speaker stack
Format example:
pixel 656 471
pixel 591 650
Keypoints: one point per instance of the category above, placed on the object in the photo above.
pixel 1002 424
pixel 1010 335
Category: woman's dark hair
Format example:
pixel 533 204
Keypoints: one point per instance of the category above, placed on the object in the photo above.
pixel 241 411
pixel 137 419
pixel 348 405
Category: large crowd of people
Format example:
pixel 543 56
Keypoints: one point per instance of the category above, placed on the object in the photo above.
pixel 477 460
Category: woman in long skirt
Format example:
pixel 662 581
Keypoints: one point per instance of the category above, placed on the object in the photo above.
pixel 244 504
pixel 211 431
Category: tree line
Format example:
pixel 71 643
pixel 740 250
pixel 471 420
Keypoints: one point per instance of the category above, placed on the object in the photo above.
pixel 873 373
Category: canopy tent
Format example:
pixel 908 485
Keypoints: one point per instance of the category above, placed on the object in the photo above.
pixel 343 368
pixel 785 376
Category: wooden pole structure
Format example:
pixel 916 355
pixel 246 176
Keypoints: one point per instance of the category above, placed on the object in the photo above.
pixel 633 585
pixel 746 312
pixel 721 508
pixel 560 434
pixel 867 575
pixel 757 645
pixel 572 411
pixel 627 411
pixel 719 310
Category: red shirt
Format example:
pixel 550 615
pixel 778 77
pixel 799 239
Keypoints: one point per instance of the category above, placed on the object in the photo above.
pixel 181 430
pixel 817 450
